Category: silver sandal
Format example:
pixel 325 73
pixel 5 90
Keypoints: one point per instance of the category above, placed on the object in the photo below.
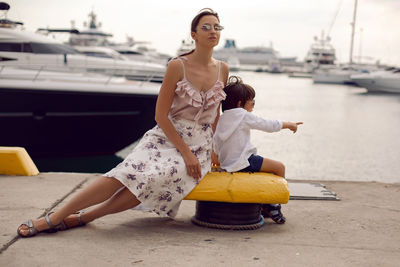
pixel 80 221
pixel 32 231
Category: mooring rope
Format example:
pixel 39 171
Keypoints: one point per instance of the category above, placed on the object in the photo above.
pixel 229 226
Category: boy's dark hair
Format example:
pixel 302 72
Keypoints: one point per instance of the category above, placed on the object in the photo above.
pixel 237 91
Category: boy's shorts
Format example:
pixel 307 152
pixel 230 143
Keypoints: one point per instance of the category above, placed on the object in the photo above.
pixel 255 164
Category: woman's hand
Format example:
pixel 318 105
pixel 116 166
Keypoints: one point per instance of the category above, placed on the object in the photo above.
pixel 192 166
pixel 214 160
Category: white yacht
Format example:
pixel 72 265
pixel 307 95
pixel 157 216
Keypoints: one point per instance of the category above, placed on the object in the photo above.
pixel 233 63
pixel 337 75
pixel 18 47
pixel 258 55
pixel 94 42
pixel 63 113
pixel 151 71
pixel 92 35
pixel 320 55
pixel 141 53
pixel 186 46
pixel 379 81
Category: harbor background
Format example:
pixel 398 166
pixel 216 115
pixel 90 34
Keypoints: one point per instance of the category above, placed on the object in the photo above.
pixel 289 26
pixel 347 135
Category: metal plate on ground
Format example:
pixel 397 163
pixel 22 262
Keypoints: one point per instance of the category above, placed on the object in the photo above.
pixel 310 191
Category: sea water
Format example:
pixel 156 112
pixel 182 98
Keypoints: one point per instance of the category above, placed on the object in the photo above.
pixel 348 134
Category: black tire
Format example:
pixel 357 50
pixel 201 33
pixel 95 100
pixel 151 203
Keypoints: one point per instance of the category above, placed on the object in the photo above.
pixel 228 213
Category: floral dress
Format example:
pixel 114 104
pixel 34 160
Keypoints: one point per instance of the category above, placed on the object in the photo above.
pixel 155 171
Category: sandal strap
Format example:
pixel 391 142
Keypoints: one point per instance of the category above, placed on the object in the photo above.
pixel 54 228
pixel 274 212
pixel 47 218
pixel 61 226
pixel 80 218
pixel 31 229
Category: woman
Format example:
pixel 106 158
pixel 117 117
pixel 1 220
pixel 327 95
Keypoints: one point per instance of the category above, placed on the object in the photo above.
pixel 172 157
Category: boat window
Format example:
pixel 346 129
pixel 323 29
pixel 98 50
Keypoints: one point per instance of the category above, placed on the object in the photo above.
pixel 97 54
pixel 6 59
pixel 325 62
pixel 52 48
pixel 27 48
pixel 129 52
pixel 11 47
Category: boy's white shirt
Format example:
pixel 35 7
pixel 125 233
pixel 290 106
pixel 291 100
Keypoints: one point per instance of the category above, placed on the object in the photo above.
pixel 232 137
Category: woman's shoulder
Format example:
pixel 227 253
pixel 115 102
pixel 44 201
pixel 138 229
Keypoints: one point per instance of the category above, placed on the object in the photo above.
pixel 175 62
pixel 224 71
pixel 173 74
pixel 224 65
pixel 174 68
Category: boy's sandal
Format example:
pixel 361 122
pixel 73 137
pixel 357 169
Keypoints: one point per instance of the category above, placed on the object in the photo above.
pixel 32 231
pixel 273 212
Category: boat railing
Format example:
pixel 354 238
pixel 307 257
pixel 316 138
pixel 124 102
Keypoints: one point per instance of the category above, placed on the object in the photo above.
pixel 36 72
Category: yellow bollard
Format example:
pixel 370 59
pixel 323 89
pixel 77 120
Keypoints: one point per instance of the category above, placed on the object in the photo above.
pixel 241 187
pixel 16 161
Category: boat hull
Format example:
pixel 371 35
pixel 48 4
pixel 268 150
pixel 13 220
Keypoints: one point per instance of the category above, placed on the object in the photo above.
pixel 379 84
pixel 58 123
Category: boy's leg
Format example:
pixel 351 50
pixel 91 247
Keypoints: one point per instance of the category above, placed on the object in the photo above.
pixel 273 211
pixel 273 166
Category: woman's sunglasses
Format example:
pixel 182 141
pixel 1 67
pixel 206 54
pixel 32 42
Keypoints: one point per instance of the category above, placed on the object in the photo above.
pixel 207 27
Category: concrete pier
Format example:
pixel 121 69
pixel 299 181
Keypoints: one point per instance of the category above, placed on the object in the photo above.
pixel 363 229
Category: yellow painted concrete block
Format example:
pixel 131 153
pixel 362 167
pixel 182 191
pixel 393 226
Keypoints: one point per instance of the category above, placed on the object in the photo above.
pixel 16 161
pixel 241 187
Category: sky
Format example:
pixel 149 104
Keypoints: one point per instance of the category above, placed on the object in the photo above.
pixel 288 25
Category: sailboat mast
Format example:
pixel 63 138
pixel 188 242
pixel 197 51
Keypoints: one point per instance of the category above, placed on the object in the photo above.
pixel 353 26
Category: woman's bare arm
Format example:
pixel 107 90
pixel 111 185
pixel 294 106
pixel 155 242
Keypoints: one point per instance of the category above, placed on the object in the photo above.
pixel 165 98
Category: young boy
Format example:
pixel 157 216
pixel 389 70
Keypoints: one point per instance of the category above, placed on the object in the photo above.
pixel 232 138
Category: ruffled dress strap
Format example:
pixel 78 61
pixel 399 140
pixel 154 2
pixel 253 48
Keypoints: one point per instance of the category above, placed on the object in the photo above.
pixel 219 69
pixel 183 66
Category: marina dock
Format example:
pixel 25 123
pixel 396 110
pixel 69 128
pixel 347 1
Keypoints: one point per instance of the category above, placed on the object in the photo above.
pixel 359 230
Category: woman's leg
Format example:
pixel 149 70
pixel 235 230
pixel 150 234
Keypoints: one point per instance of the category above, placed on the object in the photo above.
pixel 273 166
pixel 98 191
pixel 121 201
